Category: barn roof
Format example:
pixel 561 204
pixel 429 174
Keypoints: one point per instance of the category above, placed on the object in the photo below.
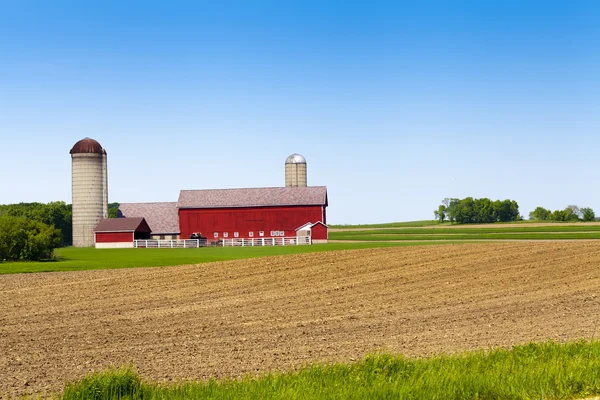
pixel 122 225
pixel 161 217
pixel 253 197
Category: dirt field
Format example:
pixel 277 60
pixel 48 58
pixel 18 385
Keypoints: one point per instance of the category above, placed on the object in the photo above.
pixel 233 318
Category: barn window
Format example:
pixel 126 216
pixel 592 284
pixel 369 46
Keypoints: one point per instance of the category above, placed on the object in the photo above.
pixel 281 233
pixel 261 233
pixel 225 234
pixel 236 234
pixel 162 237
pixel 250 234
pixel 216 234
pixel 273 233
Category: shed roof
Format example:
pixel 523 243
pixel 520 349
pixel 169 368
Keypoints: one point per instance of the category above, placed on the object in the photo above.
pixel 161 217
pixel 253 197
pixel 122 225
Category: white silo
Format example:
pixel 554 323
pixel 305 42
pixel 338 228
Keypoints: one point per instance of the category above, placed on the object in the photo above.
pixel 295 171
pixel 89 190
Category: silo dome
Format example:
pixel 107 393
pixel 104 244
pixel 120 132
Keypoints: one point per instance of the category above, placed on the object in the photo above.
pixel 295 171
pixel 295 159
pixel 87 145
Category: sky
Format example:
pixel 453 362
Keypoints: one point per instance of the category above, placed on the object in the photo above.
pixel 396 105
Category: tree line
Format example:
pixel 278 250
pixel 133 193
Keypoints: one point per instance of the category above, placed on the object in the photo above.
pixel 473 211
pixel 570 213
pixel 31 231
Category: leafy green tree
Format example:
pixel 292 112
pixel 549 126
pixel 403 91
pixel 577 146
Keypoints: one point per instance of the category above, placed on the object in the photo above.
pixel 23 239
pixel 440 213
pixel 540 214
pixel 588 214
pixel 112 210
pixel 451 205
pixel 57 214
pixel 470 210
pixel 574 212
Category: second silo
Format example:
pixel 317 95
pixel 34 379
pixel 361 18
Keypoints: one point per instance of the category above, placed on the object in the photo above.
pixel 89 190
pixel 295 171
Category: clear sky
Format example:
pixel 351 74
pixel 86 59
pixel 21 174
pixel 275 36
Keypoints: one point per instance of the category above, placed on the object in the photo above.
pixel 394 104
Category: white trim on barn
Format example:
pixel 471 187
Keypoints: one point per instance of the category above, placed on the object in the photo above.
pixel 114 245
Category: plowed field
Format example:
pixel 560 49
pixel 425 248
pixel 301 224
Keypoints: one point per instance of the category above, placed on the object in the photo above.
pixel 233 318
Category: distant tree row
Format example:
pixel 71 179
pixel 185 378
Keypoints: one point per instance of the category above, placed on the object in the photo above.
pixel 57 214
pixel 23 239
pixel 570 213
pixel 472 211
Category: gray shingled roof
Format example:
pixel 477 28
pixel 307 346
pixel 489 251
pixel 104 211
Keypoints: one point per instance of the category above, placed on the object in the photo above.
pixel 253 197
pixel 162 218
pixel 121 225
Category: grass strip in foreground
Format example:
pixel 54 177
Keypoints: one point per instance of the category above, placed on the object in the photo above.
pixel 79 259
pixel 534 371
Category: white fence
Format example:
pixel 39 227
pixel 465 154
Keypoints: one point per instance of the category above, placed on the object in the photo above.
pixel 166 244
pixel 273 241
pixel 235 242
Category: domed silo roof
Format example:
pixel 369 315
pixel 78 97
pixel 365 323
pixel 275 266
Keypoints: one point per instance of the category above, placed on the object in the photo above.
pixel 87 145
pixel 295 159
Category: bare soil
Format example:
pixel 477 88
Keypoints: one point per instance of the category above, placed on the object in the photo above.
pixel 242 317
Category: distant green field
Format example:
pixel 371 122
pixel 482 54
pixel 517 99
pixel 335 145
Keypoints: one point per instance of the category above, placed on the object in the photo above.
pixel 516 232
pixel 534 371
pixel 425 223
pixel 390 225
pixel 75 259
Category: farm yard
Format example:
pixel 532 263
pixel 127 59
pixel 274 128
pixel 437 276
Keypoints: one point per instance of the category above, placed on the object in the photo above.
pixel 231 318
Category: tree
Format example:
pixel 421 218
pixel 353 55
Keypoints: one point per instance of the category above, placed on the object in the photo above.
pixel 588 214
pixel 483 210
pixel 440 213
pixel 23 239
pixel 57 214
pixel 540 214
pixel 451 208
pixel 575 211
pixel 113 208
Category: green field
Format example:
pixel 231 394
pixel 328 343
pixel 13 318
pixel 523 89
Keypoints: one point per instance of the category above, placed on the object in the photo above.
pixel 76 259
pixel 534 371
pixel 458 233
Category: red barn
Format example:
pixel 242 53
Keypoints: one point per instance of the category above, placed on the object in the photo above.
pixel 252 213
pixel 120 232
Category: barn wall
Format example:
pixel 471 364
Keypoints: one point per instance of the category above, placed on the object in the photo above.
pixel 319 232
pixel 246 220
pixel 112 237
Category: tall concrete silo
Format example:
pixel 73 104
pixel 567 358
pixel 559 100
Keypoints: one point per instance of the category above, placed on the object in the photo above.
pixel 89 190
pixel 295 171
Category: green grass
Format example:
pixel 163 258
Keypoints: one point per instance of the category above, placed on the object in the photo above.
pixel 534 371
pixel 76 259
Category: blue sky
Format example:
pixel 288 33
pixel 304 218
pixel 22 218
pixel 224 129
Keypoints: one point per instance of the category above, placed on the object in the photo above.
pixel 395 104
